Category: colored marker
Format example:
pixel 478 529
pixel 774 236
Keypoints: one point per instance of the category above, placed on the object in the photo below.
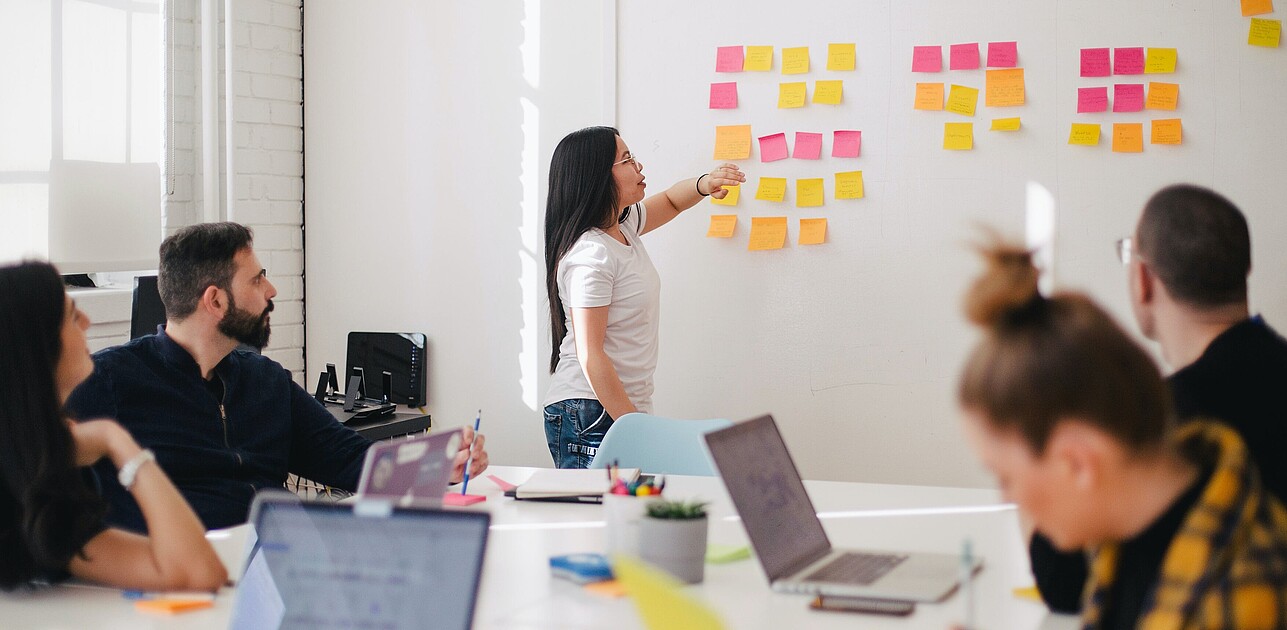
pixel 470 460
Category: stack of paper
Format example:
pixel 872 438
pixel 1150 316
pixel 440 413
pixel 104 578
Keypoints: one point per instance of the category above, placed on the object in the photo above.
pixel 570 482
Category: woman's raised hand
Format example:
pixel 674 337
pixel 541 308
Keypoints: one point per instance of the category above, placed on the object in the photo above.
pixel 723 175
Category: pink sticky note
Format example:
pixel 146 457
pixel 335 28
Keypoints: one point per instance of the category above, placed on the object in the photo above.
pixel 1128 61
pixel 1092 99
pixel 846 143
pixel 927 59
pixel 1094 62
pixel 728 59
pixel 458 499
pixel 808 146
pixel 724 95
pixel 1003 54
pixel 1128 97
pixel 964 57
pixel 501 483
pixel 773 148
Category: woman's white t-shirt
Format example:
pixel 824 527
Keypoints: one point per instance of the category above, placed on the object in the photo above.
pixel 600 271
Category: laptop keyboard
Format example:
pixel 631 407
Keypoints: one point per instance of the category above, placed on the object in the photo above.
pixel 856 568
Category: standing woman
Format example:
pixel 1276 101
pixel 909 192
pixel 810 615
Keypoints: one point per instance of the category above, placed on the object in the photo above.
pixel 603 290
pixel 51 517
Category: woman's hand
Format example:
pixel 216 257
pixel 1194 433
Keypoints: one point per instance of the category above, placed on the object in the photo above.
pixel 96 439
pixel 724 175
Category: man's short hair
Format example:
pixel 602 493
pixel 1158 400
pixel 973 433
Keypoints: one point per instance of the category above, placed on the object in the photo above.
pixel 1197 243
pixel 197 257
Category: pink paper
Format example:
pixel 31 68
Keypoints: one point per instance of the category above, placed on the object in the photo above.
pixel 964 57
pixel 846 143
pixel 1128 97
pixel 459 500
pixel 1128 61
pixel 724 95
pixel 1003 54
pixel 808 146
pixel 1094 62
pixel 773 148
pixel 927 59
pixel 1092 99
pixel 728 59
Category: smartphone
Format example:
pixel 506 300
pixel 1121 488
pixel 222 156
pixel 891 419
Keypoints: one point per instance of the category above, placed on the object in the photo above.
pixel 845 603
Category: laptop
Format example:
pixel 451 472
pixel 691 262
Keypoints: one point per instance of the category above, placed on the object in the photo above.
pixel 417 468
pixel 787 536
pixel 366 564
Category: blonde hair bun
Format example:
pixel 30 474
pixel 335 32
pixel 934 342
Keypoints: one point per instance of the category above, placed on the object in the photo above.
pixel 1008 284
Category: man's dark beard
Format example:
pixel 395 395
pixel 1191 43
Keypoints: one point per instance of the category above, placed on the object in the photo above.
pixel 246 327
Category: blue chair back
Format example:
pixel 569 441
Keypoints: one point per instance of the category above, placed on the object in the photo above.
pixel 658 445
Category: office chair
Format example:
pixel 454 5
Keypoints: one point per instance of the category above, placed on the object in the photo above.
pixel 146 312
pixel 658 445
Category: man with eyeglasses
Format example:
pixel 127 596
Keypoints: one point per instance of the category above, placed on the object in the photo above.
pixel 1188 263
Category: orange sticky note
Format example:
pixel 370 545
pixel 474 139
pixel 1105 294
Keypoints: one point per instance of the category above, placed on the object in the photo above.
pixel 929 96
pixel 767 233
pixel 1162 96
pixel 172 606
pixel 828 92
pixel 771 189
pixel 1257 7
pixel 958 136
pixel 758 59
pixel 1085 134
pixel 808 192
pixel 849 185
pixel 722 226
pixel 1166 131
pixel 730 199
pixel 1128 137
pixel 1265 33
pixel 962 100
pixel 791 95
pixel 1004 88
pixel 813 231
pixel 842 57
pixel 795 60
pixel 732 142
pixel 1159 61
pixel 607 588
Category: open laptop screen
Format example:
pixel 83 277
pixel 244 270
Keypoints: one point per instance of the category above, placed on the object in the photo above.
pixel 769 496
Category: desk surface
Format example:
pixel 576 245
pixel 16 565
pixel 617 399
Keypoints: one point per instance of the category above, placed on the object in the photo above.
pixel 517 590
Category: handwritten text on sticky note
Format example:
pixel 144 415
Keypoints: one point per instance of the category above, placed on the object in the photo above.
pixel 732 142
pixel 1128 61
pixel 962 100
pixel 927 59
pixel 849 185
pixel 958 136
pixel 767 233
pixel 724 95
pixel 722 226
pixel 813 231
pixel 1004 88
pixel 1159 61
pixel 1128 97
pixel 1162 96
pixel 808 146
pixel 1092 99
pixel 1094 62
pixel 963 56
pixel 828 92
pixel 771 189
pixel 929 96
pixel 808 192
pixel 795 60
pixel 1084 134
pixel 1003 54
pixel 1166 131
pixel 791 95
pixel 1128 137
pixel 841 57
pixel 773 147
pixel 758 59
pixel 1266 33
pixel 728 59
pixel 846 143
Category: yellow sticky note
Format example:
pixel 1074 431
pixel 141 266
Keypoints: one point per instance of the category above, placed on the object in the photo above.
pixel 808 192
pixel 659 598
pixel 758 59
pixel 929 96
pixel 849 185
pixel 1128 137
pixel 961 100
pixel 813 231
pixel 958 136
pixel 767 233
pixel 771 189
pixel 722 226
pixel 1159 61
pixel 841 57
pixel 1166 131
pixel 1257 7
pixel 1027 592
pixel 1004 88
pixel 730 199
pixel 791 95
pixel 1005 124
pixel 828 92
pixel 1265 32
pixel 732 142
pixel 795 60
pixel 1084 134
pixel 1162 96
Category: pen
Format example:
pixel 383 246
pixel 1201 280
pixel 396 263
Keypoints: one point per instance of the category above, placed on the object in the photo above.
pixel 470 460
pixel 967 585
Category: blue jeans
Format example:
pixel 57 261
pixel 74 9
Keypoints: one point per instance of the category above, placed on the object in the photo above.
pixel 574 429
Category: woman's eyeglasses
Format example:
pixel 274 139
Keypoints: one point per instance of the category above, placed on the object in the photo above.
pixel 633 162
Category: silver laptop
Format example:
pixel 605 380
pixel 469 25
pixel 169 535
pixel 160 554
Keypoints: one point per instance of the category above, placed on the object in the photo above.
pixel 788 537
pixel 366 564
pixel 413 469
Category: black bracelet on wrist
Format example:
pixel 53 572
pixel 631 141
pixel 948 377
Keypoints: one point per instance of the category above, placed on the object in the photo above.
pixel 699 185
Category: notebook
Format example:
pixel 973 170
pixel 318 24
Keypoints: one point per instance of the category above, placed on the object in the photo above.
pixel 576 485
pixel 415 468
pixel 788 538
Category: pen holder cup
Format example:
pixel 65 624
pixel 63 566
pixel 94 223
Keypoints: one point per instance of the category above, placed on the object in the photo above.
pixel 677 546
pixel 622 514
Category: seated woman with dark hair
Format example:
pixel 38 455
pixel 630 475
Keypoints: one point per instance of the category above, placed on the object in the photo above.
pixel 51 517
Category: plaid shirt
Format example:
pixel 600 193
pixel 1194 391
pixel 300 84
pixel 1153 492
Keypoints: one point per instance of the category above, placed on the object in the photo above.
pixel 1227 565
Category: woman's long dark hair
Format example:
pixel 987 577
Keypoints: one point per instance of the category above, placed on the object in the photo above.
pixel 47 512
pixel 583 195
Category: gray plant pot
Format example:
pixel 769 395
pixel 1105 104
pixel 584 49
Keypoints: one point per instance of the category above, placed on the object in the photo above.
pixel 676 546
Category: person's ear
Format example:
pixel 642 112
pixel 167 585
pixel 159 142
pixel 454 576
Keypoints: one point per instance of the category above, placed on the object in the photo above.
pixel 1146 281
pixel 1079 453
pixel 214 301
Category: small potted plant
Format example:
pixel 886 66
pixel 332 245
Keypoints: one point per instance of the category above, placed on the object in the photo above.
pixel 673 537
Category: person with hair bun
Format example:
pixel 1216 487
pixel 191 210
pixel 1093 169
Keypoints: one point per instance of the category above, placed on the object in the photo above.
pixel 1075 421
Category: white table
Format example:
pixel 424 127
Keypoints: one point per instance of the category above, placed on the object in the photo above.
pixel 517 590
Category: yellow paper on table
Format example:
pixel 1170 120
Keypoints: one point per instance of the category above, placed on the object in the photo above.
pixel 808 193
pixel 795 60
pixel 813 231
pixel 1167 131
pixel 1162 96
pixel 1084 134
pixel 791 95
pixel 1006 124
pixel 1004 88
pixel 758 59
pixel 841 57
pixel 722 226
pixel 1257 7
pixel 660 598
pixel 828 92
pixel 1159 61
pixel 929 96
pixel 962 100
pixel 958 136
pixel 732 142
pixel 849 185
pixel 1128 137
pixel 1265 33
pixel 730 199
pixel 771 189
